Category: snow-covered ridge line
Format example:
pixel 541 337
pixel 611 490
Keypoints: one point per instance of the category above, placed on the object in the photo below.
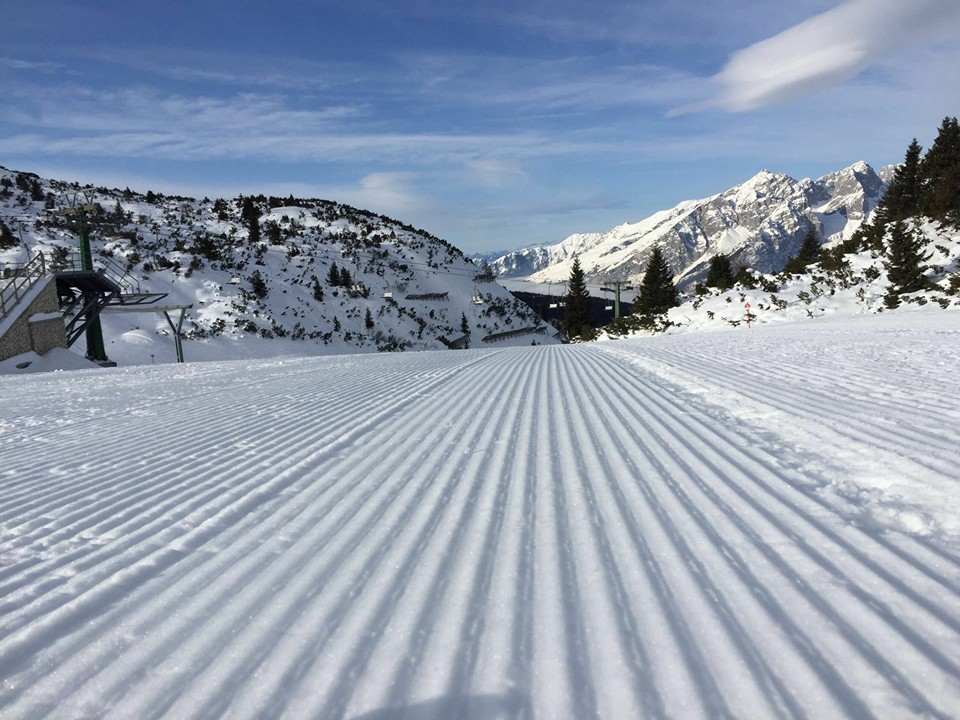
pixel 302 277
pixel 578 531
pixel 759 223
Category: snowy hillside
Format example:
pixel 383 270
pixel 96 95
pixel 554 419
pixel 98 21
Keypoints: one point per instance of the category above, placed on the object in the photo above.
pixel 750 524
pixel 760 223
pixel 855 288
pixel 394 288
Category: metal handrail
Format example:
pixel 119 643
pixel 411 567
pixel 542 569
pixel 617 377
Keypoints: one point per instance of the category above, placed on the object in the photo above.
pixel 16 286
pixel 110 269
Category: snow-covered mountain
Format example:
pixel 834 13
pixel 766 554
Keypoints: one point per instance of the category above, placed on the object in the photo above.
pixel 760 223
pixel 395 288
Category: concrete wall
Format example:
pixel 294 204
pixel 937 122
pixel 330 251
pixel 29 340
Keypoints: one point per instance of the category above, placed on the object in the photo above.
pixel 35 322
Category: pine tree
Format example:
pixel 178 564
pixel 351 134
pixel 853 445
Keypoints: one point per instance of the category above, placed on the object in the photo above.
pixel 7 238
pixel 808 254
pixel 657 291
pixel 345 279
pixel 368 320
pixel 250 214
pixel 720 274
pixel 336 324
pixel 258 285
pixel 902 199
pixel 333 277
pixel 940 174
pixel 904 264
pixel 464 324
pixel 576 317
pixel 317 290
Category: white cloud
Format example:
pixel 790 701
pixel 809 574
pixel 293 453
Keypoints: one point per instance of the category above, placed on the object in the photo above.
pixel 497 172
pixel 143 122
pixel 18 64
pixel 830 48
pixel 392 193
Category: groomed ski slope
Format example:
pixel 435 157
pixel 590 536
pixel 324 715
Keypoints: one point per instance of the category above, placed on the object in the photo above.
pixel 750 524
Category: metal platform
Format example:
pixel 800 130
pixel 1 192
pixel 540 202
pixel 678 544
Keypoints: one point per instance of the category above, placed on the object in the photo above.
pixel 83 294
pixel 136 299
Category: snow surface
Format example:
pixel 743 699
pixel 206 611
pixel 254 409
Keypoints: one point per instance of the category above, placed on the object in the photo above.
pixel 756 523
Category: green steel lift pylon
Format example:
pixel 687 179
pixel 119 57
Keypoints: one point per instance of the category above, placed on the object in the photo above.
pixel 618 286
pixel 96 350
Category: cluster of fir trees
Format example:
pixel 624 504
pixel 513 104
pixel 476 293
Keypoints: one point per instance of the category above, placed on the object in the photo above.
pixel 924 185
pixel 927 185
pixel 657 294
pixel 339 277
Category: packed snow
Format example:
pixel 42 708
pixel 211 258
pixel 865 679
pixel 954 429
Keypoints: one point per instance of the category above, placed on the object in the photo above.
pixel 756 523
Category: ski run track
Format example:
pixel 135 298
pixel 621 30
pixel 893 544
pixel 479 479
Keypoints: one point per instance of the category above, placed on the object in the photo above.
pixel 747 524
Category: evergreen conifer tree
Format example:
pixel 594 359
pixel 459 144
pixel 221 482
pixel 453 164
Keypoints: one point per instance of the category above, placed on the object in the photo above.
pixel 333 277
pixel 902 199
pixel 940 174
pixel 904 263
pixel 250 214
pixel 657 291
pixel 258 285
pixel 808 254
pixel 720 274
pixel 368 320
pixel 7 238
pixel 576 317
pixel 464 324
pixel 317 290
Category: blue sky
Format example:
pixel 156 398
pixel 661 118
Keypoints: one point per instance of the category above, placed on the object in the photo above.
pixel 492 124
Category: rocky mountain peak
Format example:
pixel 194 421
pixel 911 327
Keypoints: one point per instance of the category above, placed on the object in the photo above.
pixel 760 223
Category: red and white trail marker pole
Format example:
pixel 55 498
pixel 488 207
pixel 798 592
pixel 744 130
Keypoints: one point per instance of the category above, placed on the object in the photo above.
pixel 749 318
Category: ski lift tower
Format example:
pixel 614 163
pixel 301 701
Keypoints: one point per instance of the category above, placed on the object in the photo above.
pixel 618 286
pixel 96 350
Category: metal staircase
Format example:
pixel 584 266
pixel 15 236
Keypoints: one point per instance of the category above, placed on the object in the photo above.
pixel 85 293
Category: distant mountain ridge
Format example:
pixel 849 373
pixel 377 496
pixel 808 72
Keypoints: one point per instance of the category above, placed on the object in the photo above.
pixel 759 223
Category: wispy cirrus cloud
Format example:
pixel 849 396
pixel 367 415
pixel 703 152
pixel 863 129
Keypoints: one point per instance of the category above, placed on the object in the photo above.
pixel 830 48
pixel 19 64
pixel 146 123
